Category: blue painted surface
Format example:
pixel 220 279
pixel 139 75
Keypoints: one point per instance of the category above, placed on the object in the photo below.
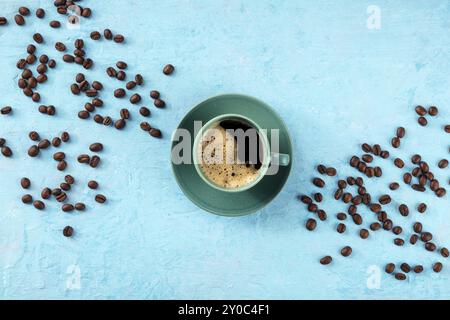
pixel 335 82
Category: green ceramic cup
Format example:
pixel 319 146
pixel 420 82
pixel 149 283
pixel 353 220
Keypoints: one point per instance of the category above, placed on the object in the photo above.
pixel 269 158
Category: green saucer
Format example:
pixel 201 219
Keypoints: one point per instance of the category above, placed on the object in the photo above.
pixel 246 202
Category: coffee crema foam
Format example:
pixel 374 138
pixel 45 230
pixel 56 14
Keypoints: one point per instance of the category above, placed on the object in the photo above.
pixel 222 168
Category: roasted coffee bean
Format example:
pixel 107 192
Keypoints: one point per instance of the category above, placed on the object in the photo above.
pixel 366 148
pixel 384 154
pixel 405 267
pixel 24 11
pixel 330 171
pixel 56 192
pixel 397 230
pixel 423 180
pixel 27 74
pixel 338 194
pixel 39 205
pixel 124 114
pixel 62 165
pixel 68 231
pixel 341 228
pixel 94 162
pixel 68 207
pixel 3 21
pixel 139 79
pixel 79 78
pixel 144 111
pixel 429 246
pixel 100 198
pixel 341 216
pixel 433 111
pixel 312 207
pixel 6 151
pixel 357 219
pixel 415 159
pixel 43 58
pixel 168 69
pixel 421 111
pixel 424 167
pixel 400 276
pixel 40 13
pixel 417 227
pixel 46 193
pixel 364 233
pixel 434 185
pixel 351 181
pixel 404 210
pixel 444 252
pixel 56 142
pixel 321 169
pixel 21 83
pixel 38 38
pixel 96 147
pixel 86 12
pixel 27 198
pixel 36 97
pixel 154 94
pixel 119 93
pixel 95 35
pixel 443 164
pixel 342 184
pixel 97 85
pixel 98 119
pixel 367 199
pixel 375 207
pixel 311 224
pixel 121 75
pixel 159 103
pixel 135 98
pixel 305 199
pixel 413 239
pixel 387 225
pixel 88 63
pixel 354 161
pixel 418 187
pixel 119 38
pixel 68 58
pixel 89 107
pixel 75 89
pixel 51 63
pixel 376 149
pixel 385 199
pixel 437 267
pixel 382 216
pixel 422 121
pixel 395 142
pixel 447 128
pixel 42 68
pixel 20 21
pixel 25 183
pixel 111 72
pixel 407 178
pixel 318 182
pixel 65 137
pixel 401 132
pixel 375 226
pixel 130 85
pixel 80 206
pixel 120 124
pixel 318 197
pixel 121 65
pixel 97 102
pixel 357 200
pixel 352 210
pixel 107 121
pixel 369 171
pixel 33 151
pixel 79 44
pixel 426 237
pixel 326 260
pixel 378 172
pixel 61 197
pixel 93 184
pixel 6 110
pixel 389 268
pixel 399 163
pixel 346 251
pixel 367 158
pixel 83 114
pixel 394 186
pixel 55 24
pixel 107 33
pixel 422 207
pixel 418 269
pixel 155 133
pixel 69 179
pixel 65 186
pixel 84 158
pixel 91 93
pixel 347 197
pixel 399 242
pixel 21 64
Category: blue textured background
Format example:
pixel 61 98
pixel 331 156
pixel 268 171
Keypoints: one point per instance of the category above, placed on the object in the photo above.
pixel 335 82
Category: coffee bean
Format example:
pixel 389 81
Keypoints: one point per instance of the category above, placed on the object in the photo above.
pixel 62 165
pixel 36 97
pixel 25 183
pixel 382 216
pixel 95 35
pixel 400 276
pixel 375 207
pixel 80 206
pixel 426 237
pixel 346 251
pixel 121 65
pixel 39 205
pixel 407 178
pixel 24 11
pixel 120 124
pixel 119 93
pixel 389 268
pixel 27 199
pixel 65 137
pixel 135 98
pixel 68 231
pixel 405 267
pixel 433 111
pixel 444 252
pixel 6 151
pixel 357 219
pixel 46 193
pixel 384 154
pixel 347 197
pixel 159 103
pixel 97 85
pixel 139 79
pixel 341 228
pixel 89 107
pixel 385 199
pixel 318 182
pixel 326 260
pixel 42 68
pixel 155 133
pixel 321 169
pixel 6 110
pixel 376 149
pixel 404 210
pixel 341 216
pixel 367 158
pixel 354 161
pixel 86 12
pixel 338 194
pixel 422 207
pixel 91 93
pixel 97 102
pixel 96 147
pixel 119 38
pixel 421 111
pixel 65 186
pixel 437 267
pixel 413 239
pixel 318 197
pixel 364 233
pixel 40 13
pixel 124 114
pixel 121 75
pixel 434 185
pixel 429 246
pixel 443 164
pixel 395 142
pixel 94 162
pixel 100 198
pixel 399 163
pixel 111 72
pixel 51 63
pixel 33 151
pixel 38 38
pixel 440 192
pixel 130 85
pixel 422 121
pixel 401 132
pixel 375 226
pixel 69 179
pixel 154 94
pixel 56 192
pixel 366 148
pixel 56 142
pixel 3 21
pixel 61 197
pixel 331 171
pixel 342 184
pixel 397 230
pixel 83 114
pixel 312 207
pixel 447 128
pixel 394 186
pixel 59 156
pixel 68 58
pixel 305 199
pixel 418 269
pixel 55 24
pixel 399 242
pixel 93 184
pixel 20 21
pixel 311 224
pixel 168 69
pixel 107 121
pixel 417 227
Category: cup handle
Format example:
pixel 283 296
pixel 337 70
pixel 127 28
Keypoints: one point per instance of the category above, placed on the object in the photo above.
pixel 280 159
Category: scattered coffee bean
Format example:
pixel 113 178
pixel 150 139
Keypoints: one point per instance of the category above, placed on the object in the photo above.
pixel 94 162
pixel 404 210
pixel 444 252
pixel 413 239
pixel 68 231
pixel 120 124
pixel 394 186
pixel 59 156
pixel 417 227
pixel 400 276
pixel 135 98
pixel 100 198
pixel 399 163
pixel 139 79
pixel 93 184
pixel 418 269
pixel 389 268
pixel 20 21
pixel 55 24
pixel 119 38
pixel 326 260
pixel 429 246
pixel 399 242
pixel 422 121
pixel 56 142
pixel 62 165
pixel 168 69
pixel 341 228
pixel 395 142
pixel 318 182
pixel 443 164
pixel 364 233
pixel 346 251
pixel 33 151
pixel 107 121
pixel 437 267
pixel 397 230
pixel 27 198
pixel 433 111
pixel 311 224
pixel 6 151
pixel 80 206
pixel 385 199
pixel 46 193
pixel 96 147
pixel 119 93
pixel 156 133
pixel 421 111
pixel 405 267
pixel 68 207
pixel 25 183
pixel 39 205
pixel 159 103
pixel 401 132
pixel 407 178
